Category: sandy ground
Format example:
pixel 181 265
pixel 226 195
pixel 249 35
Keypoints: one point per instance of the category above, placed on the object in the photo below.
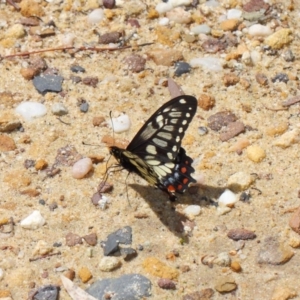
pixel 138 94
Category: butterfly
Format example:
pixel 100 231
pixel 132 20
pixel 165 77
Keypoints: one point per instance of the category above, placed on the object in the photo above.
pixel 155 153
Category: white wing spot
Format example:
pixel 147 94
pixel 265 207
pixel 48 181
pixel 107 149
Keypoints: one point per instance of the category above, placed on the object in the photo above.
pixel 174 148
pixel 174 121
pixel 170 165
pixel 159 119
pixel 159 171
pixel 153 162
pixel 166 109
pixel 151 149
pixel 184 122
pixel 180 130
pixel 169 128
pixel 170 155
pixel 165 135
pixel 182 101
pixel 188 115
pixel 160 143
pixel 177 139
pixel 166 169
pixel 175 114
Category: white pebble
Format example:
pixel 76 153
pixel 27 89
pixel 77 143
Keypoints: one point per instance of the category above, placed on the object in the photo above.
pixel 163 7
pixel 96 16
pixel 103 202
pixel 82 167
pixel 33 221
pixel 209 63
pixel 227 198
pixel 260 30
pixel 246 58
pixel 163 21
pixel 1 274
pixel 59 109
pixel 240 181
pixel 212 3
pixel 121 124
pixel 68 39
pixel 234 13
pixel 179 15
pixel 192 210
pixel 223 259
pixel 203 28
pixel 109 263
pixel 255 57
pixel 29 110
pixel 176 3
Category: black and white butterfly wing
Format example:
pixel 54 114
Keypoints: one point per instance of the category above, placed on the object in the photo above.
pixel 158 144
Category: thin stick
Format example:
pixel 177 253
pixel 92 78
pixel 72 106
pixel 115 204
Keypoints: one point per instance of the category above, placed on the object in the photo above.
pixel 44 256
pixel 64 48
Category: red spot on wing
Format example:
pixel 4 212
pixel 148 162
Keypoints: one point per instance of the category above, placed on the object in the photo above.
pixel 183 170
pixel 185 180
pixel 179 187
pixel 171 188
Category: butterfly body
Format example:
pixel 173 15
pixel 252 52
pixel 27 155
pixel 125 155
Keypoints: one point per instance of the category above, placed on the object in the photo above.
pixel 155 153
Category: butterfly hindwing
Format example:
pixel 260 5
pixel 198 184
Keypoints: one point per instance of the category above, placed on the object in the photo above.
pixel 155 153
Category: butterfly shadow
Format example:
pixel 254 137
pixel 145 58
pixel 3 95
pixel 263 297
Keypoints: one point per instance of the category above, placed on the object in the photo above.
pixel 166 210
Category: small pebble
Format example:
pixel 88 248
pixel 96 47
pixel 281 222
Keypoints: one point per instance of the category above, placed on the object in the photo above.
pixel 40 164
pixel 42 248
pixel 227 198
pixel 223 259
pixel 59 109
pixel 235 266
pixel 77 69
pixel 240 181
pixel 166 284
pixel 259 30
pixel 294 221
pixel 192 210
pixel 288 55
pixel 256 153
pixel 109 3
pixel 209 63
pixel 110 37
pixel 84 274
pixel 202 130
pixel 262 79
pixel 162 8
pixel 109 263
pixel 229 25
pixel 225 284
pixel 179 15
pixel 234 13
pixel 29 163
pixel 84 107
pixel 220 119
pixel 280 38
pixel 48 83
pixel 33 221
pixel 82 167
pixel 7 143
pixel 233 129
pixel 136 63
pixel 182 67
pixel 241 234
pixel 203 28
pixel 73 239
pixel 53 206
pixel 163 21
pixel 96 16
pixel 230 79
pixel 42 202
pixel 29 110
pixel 91 239
pixel 128 253
pixel 121 123
pixel 288 139
pixel 280 77
pixel 91 81
pixel 49 292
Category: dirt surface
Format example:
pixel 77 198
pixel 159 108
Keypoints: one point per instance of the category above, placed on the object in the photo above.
pixel 274 191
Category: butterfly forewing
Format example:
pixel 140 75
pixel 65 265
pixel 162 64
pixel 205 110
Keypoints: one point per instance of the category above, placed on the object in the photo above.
pixel 159 140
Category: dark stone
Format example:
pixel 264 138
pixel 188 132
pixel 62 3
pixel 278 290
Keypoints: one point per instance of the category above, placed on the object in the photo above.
pixel 42 202
pixel 109 4
pixel 123 235
pixel 84 107
pixel 29 163
pixel 111 245
pixel 47 292
pixel 182 67
pixel 48 83
pixel 110 37
pixel 75 79
pixel 57 244
pixel 128 253
pixel 281 77
pixel 53 206
pixel 166 284
pixel 77 69
pixel 136 63
pixel 126 287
